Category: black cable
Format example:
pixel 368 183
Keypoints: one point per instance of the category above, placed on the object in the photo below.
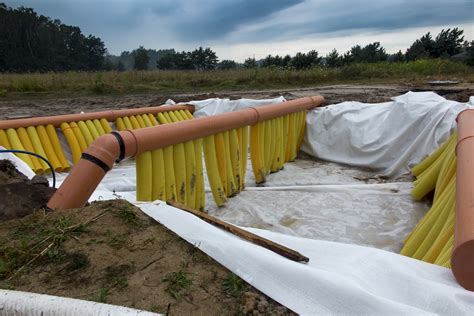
pixel 16 151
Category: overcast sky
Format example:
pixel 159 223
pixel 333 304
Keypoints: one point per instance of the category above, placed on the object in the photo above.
pixel 237 29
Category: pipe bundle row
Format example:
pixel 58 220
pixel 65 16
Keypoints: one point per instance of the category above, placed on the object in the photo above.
pixel 174 172
pixel 432 239
pixel 226 162
pixel 274 142
pixel 42 140
pixel 79 135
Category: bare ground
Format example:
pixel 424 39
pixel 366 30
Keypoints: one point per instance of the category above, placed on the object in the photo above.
pixel 333 94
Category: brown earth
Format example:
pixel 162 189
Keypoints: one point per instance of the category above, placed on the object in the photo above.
pixel 19 195
pixel 111 252
pixel 333 94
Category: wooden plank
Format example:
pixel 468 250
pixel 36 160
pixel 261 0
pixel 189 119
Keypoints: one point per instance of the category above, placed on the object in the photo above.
pixel 263 242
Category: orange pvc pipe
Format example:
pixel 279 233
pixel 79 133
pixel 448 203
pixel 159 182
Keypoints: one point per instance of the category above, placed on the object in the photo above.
pixel 99 157
pixel 462 258
pixel 110 116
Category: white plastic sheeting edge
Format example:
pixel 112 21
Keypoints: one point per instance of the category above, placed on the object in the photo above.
pixel 19 164
pixel 388 137
pixel 339 278
pixel 16 303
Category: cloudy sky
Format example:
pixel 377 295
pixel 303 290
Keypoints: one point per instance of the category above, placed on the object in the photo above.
pixel 237 29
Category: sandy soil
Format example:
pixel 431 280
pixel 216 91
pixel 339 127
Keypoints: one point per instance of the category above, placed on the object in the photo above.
pixel 110 252
pixel 333 94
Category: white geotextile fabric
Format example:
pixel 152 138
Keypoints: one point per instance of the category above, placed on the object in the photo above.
pixel 339 278
pixel 19 164
pixel 388 137
pixel 323 201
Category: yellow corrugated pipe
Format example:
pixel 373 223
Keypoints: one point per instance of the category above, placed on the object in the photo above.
pixel 432 238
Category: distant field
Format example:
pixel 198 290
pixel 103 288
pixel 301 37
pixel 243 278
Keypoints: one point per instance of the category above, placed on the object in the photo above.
pixel 36 85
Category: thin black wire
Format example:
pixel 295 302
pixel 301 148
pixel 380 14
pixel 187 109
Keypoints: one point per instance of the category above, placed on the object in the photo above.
pixel 16 151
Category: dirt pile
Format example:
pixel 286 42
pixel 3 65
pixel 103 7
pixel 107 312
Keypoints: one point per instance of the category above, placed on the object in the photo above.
pixel 112 252
pixel 19 195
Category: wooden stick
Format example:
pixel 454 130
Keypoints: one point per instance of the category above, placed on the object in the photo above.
pixel 268 244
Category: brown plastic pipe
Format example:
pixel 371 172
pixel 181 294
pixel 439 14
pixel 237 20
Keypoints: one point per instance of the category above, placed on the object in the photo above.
pixel 100 156
pixel 110 116
pixel 462 258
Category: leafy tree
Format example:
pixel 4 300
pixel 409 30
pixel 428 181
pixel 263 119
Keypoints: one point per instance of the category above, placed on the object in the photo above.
pixel 333 59
pixel 227 64
pixel 398 57
pixel 204 59
pixel 370 53
pixel 304 61
pixel 120 66
pixel 470 53
pixel 140 59
pixel 250 63
pixel 448 43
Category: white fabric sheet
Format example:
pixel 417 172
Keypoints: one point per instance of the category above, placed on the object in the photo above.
pixel 388 137
pixel 329 201
pixel 339 278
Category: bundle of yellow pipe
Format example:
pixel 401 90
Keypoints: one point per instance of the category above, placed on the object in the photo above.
pixel 225 155
pixel 432 238
pixel 42 140
pixel 274 142
pixel 81 134
pixel 174 172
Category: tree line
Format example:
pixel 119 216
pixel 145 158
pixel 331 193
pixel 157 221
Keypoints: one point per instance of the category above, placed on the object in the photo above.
pixel 32 42
pixel 446 44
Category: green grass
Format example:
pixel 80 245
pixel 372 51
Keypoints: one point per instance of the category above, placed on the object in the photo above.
pixel 234 286
pixel 128 82
pixel 179 283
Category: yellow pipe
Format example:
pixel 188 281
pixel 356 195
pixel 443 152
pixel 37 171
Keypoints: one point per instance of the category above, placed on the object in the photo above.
pixel 92 129
pixel 152 119
pixel 435 230
pixel 35 140
pixel 188 114
pixel 221 159
pixel 140 121
pixel 428 161
pixel 234 150
pixel 256 153
pixel 244 144
pixel 4 140
pixel 231 185
pixel 53 137
pixel 16 144
pixel 72 142
pixel 158 175
pixel 200 200
pixel 422 229
pixel 105 126
pixel 126 121
pixel 48 148
pixel 144 176
pixel 85 132
pixel 98 127
pixel 134 122
pixel 213 175
pixel 147 121
pixel 26 142
pixel 446 232
pixel 79 137
pixel 120 125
